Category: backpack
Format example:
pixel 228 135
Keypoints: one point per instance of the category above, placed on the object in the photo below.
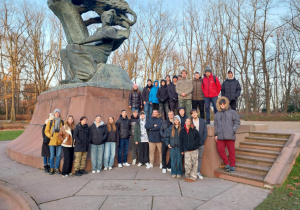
pixel 215 79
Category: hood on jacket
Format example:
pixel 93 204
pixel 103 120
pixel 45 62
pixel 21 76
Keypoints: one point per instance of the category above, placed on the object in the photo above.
pixel 157 84
pixel 163 80
pixel 101 123
pixel 184 111
pixel 151 86
pixel 218 105
pixel 137 117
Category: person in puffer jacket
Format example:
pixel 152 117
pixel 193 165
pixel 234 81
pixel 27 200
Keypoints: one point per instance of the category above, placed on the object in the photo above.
pixel 134 118
pixel 124 127
pixel 231 89
pixel 135 99
pixel 227 122
pixel 152 96
pixel 163 97
pixel 98 136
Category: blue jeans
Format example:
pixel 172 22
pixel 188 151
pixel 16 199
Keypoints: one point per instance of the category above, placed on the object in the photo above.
pixel 97 156
pixel 207 106
pixel 46 159
pixel 176 163
pixel 109 154
pixel 123 145
pixel 135 108
pixel 53 150
pixel 148 109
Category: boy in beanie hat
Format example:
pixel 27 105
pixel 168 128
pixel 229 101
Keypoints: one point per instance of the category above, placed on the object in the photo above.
pixel 145 97
pixel 173 96
pixel 211 88
pixel 231 89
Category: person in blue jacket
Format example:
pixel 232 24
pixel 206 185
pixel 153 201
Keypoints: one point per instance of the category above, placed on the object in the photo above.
pixel 152 96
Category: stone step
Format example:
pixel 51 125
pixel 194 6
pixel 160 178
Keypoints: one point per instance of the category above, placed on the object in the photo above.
pixel 271 135
pixel 261 161
pixel 242 177
pixel 252 169
pixel 267 140
pixel 257 152
pixel 257 145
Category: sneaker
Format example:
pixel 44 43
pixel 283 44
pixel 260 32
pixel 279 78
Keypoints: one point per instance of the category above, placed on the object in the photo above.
pixel 120 165
pixel 149 166
pixel 77 173
pixel 173 176
pixel 82 171
pixel 105 169
pixel 186 179
pixel 164 170
pixel 70 174
pixel 178 176
pixel 133 162
pixel 199 175
pixel 57 171
pixel 227 168
pixel 160 166
pixel 98 171
pixel 191 180
pixel 232 169
pixel 109 168
pixel 168 169
pixel 93 172
pixel 51 171
pixel 65 176
pixel 126 164
pixel 139 164
pixel 207 123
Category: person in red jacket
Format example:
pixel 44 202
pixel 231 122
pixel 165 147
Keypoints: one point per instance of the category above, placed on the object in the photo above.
pixel 211 88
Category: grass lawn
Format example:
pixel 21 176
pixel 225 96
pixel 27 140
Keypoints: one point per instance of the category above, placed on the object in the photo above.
pixel 288 195
pixel 10 135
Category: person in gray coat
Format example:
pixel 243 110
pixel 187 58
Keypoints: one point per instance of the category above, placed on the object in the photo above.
pixel 227 122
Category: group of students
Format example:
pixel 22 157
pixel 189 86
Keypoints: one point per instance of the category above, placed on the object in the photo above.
pixel 183 92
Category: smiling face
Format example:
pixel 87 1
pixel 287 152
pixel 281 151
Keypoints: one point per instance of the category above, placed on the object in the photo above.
pixel 207 73
pixel 110 120
pixel 230 75
pixel 222 106
pixel 98 119
pixel 70 120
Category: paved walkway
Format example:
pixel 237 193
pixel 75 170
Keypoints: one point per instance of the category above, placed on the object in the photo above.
pixel 127 188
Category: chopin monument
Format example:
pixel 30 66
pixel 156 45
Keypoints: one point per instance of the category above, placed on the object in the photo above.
pixel 91 86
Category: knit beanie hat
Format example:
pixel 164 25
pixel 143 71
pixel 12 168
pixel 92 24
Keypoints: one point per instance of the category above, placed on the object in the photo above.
pixel 135 85
pixel 175 77
pixel 56 110
pixel 178 118
pixel 207 69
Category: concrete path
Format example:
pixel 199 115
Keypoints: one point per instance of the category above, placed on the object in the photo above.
pixel 127 188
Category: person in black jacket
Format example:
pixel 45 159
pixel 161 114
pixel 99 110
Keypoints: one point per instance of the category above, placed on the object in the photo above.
pixel 81 136
pixel 135 99
pixel 98 136
pixel 110 145
pixel 123 124
pixel 45 146
pixel 201 127
pixel 165 125
pixel 145 97
pixel 231 89
pixel 173 96
pixel 182 116
pixel 153 125
pixel 189 142
pixel 134 118
pixel 163 97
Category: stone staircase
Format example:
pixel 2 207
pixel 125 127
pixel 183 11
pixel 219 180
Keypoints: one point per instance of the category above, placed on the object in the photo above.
pixel 255 157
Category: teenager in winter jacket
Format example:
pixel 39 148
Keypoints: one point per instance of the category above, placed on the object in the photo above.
pixel 227 122
pixel 197 94
pixel 152 96
pixel 211 88
pixel 189 142
pixel 172 141
pixel 173 96
pixel 135 99
pixel 81 136
pixel 141 139
pixel 123 124
pixel 97 138
pixel 65 135
pixel 153 125
pixel 163 97
pixel 111 143
pixel 182 115
pixel 231 89
pixel 184 89
pixel 145 97
pixel 201 127
pixel 45 146
pixel 165 125
pixel 51 131
pixel 133 119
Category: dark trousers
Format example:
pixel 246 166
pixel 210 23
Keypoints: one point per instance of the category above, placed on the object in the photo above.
pixel 207 106
pixel 200 104
pixel 143 152
pixel 164 150
pixel 68 160
pixel 123 150
pixel 174 106
pixel 233 104
pixel 155 107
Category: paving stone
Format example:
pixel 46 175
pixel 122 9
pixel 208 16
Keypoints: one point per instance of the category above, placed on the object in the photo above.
pixel 127 203
pixel 116 173
pixel 173 203
pixel 217 206
pixel 153 174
